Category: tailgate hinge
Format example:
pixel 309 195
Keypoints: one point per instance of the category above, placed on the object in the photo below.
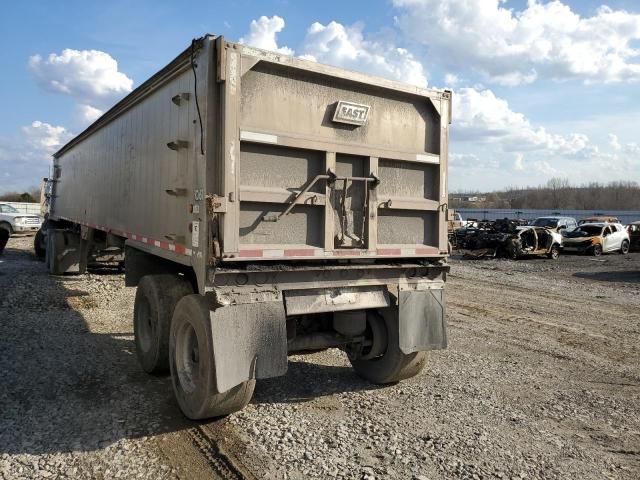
pixel 216 204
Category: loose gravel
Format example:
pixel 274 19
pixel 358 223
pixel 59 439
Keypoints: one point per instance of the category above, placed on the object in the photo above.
pixel 541 381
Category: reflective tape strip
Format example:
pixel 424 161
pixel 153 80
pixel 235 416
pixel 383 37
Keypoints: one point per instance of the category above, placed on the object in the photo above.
pixel 427 158
pixel 389 251
pixel 177 248
pixel 258 137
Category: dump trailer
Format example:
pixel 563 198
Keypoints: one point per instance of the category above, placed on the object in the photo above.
pixel 263 205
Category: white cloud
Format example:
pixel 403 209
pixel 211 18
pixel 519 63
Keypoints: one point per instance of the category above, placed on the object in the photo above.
pixel 515 47
pixel 518 163
pixel 89 114
pixel 91 77
pixel 342 46
pixel 614 142
pixel 347 47
pixel 481 116
pixel 451 80
pixel 263 33
pixel 44 139
pixel 25 157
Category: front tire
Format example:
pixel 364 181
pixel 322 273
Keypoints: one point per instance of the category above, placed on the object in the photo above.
pixel 156 299
pixel 7 226
pixel 393 365
pixel 597 250
pixel 193 371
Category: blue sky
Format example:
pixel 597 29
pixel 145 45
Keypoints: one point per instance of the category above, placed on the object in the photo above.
pixel 542 89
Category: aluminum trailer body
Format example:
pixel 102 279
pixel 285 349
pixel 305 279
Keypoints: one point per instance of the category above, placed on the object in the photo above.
pixel 304 206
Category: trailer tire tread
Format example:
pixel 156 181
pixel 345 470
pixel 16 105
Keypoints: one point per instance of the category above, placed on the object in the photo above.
pixel 156 299
pixel 194 380
pixel 394 365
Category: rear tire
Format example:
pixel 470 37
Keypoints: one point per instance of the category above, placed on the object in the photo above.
pixel 393 365
pixel 40 244
pixel 156 299
pixel 193 371
pixel 624 248
pixel 555 252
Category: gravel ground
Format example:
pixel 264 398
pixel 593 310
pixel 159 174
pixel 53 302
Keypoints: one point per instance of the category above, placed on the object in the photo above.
pixel 541 380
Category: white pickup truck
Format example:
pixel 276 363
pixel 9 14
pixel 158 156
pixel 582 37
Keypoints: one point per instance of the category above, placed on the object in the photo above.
pixel 13 221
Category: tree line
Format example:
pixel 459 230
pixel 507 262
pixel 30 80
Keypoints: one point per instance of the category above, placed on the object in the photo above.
pixel 557 194
pixel 33 195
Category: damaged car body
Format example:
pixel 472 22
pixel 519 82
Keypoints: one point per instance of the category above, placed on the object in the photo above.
pixel 597 238
pixel 510 239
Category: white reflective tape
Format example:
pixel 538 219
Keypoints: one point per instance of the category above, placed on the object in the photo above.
pixel 156 243
pixel 407 251
pixel 273 253
pixel 135 237
pixel 144 239
pixel 427 158
pixel 195 234
pixel 187 251
pixel 258 137
pixel 172 247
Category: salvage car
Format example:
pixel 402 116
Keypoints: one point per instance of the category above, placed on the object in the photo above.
pixel 13 221
pixel 633 229
pixel 597 238
pixel 535 241
pixel 599 219
pixel 508 238
pixel 555 223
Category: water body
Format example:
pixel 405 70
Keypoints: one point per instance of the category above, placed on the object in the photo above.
pixel 625 216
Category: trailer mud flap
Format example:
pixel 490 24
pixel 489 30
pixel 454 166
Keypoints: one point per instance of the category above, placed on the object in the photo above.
pixel 63 252
pixel 249 341
pixel 422 319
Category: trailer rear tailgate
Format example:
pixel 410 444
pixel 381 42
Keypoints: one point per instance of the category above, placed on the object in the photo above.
pixel 330 164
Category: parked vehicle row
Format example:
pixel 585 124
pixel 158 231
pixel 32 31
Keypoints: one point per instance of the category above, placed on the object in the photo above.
pixel 545 236
pixel 507 238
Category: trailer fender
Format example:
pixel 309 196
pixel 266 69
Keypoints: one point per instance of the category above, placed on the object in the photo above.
pixel 422 318
pixel 249 342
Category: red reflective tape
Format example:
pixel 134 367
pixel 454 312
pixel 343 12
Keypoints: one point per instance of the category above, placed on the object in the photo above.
pixel 389 251
pixel 299 252
pixel 181 249
pixel 164 245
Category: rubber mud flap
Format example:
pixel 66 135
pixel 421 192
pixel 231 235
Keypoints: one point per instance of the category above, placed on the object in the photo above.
pixel 422 320
pixel 249 341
